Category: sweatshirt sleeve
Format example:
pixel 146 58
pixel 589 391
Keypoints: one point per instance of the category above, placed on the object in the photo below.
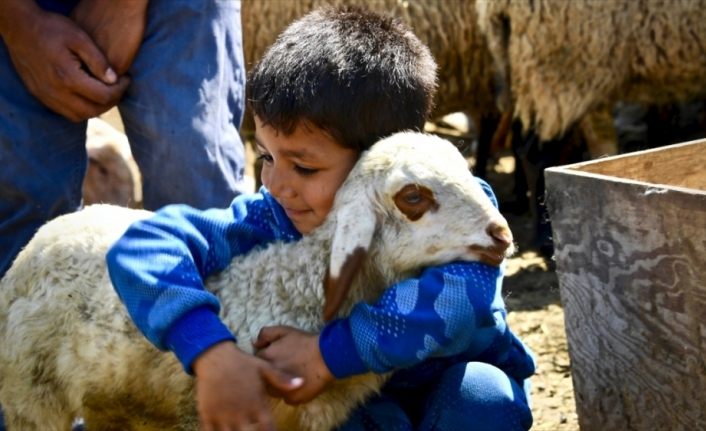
pixel 449 310
pixel 159 265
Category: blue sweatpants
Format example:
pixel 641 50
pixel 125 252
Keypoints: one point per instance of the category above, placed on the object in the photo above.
pixel 471 396
pixel 181 114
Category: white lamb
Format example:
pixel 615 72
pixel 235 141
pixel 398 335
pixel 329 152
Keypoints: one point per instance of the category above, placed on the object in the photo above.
pixel 68 348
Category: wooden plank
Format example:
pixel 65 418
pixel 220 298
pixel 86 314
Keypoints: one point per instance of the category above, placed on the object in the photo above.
pixel 631 262
pixel 681 165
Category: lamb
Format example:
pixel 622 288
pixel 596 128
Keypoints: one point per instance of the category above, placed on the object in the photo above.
pixel 559 60
pixel 68 348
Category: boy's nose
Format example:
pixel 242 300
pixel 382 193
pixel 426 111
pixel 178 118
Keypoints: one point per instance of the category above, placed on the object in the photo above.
pixel 279 185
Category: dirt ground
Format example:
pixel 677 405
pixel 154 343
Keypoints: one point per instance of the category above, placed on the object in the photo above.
pixel 535 314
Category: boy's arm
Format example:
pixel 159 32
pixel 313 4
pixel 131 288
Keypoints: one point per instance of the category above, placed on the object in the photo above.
pixel 158 268
pixel 450 309
pixel 159 265
pixel 447 310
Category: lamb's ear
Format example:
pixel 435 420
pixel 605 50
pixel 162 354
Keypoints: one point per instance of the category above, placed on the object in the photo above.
pixel 355 226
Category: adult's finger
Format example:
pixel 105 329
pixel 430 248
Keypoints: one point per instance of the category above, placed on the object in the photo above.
pixel 94 59
pixel 96 91
pixel 76 107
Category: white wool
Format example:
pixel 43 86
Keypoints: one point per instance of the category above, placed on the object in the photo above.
pixel 559 60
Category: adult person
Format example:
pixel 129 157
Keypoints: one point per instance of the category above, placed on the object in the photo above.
pixel 175 70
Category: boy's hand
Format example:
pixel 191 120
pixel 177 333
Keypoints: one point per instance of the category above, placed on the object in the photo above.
pixel 58 62
pixel 230 389
pixel 117 27
pixel 296 352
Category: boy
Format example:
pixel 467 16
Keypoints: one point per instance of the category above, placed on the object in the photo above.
pixel 333 83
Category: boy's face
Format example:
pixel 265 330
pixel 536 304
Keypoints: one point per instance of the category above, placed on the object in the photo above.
pixel 303 171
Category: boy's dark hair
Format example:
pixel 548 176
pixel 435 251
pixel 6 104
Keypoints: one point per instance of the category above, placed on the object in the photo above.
pixel 355 74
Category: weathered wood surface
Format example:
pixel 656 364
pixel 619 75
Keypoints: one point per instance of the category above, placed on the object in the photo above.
pixel 675 165
pixel 631 262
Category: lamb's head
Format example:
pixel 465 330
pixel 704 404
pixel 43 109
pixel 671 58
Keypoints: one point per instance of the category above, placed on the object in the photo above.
pixel 411 202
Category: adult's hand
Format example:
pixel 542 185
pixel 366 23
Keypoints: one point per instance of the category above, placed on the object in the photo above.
pixel 117 27
pixel 58 62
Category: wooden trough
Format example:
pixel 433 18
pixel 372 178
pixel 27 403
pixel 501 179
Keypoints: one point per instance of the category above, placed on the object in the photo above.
pixel 630 249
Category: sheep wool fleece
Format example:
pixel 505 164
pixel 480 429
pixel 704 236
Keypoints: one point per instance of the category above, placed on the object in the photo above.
pixel 445 330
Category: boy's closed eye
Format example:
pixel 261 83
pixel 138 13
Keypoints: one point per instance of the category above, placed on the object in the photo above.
pixel 264 157
pixel 304 170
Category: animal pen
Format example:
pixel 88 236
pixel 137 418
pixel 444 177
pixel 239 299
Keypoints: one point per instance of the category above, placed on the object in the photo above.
pixel 630 249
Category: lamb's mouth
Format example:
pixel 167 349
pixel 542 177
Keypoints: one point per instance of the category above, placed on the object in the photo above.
pixel 493 256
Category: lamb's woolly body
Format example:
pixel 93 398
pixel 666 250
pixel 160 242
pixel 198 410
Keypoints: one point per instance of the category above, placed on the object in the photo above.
pixel 74 302
pixel 448 28
pixel 560 59
pixel 68 348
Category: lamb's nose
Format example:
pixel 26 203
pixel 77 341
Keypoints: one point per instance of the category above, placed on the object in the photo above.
pixel 500 232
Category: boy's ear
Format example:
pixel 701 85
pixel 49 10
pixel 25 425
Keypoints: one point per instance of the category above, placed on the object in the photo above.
pixel 355 226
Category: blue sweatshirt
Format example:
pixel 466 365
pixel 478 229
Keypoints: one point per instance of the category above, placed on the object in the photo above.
pixel 452 311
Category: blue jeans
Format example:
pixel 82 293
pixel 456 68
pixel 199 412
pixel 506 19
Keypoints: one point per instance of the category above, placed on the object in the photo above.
pixel 181 114
pixel 472 396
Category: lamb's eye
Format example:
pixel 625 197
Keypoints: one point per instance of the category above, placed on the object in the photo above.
pixel 415 200
pixel 413 197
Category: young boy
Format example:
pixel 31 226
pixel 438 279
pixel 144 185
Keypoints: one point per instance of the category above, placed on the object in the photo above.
pixel 333 83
